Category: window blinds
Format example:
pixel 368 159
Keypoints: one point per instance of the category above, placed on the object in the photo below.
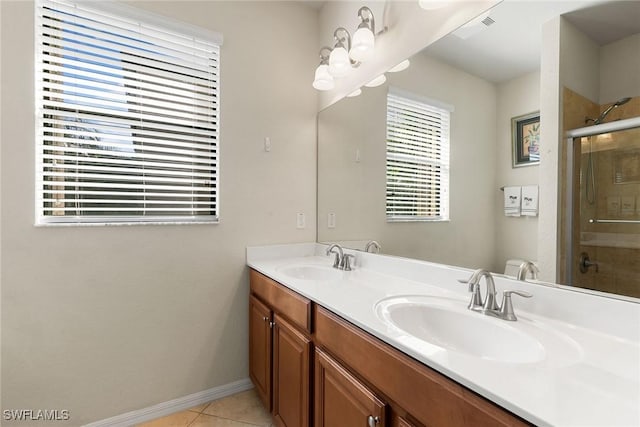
pixel 417 160
pixel 128 119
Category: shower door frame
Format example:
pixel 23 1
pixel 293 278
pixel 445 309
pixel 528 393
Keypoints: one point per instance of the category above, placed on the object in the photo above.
pixel 570 136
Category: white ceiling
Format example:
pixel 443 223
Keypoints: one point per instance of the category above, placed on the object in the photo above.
pixel 511 46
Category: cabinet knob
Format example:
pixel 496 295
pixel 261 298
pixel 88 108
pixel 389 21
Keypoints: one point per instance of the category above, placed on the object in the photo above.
pixel 372 421
pixel 272 324
pixel 265 318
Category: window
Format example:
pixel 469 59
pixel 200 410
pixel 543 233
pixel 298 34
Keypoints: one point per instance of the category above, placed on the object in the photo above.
pixel 417 158
pixel 127 116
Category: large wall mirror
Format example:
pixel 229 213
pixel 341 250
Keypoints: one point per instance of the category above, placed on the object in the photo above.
pixel 485 75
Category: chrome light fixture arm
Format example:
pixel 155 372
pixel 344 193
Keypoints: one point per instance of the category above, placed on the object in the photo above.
pixel 324 57
pixel 367 21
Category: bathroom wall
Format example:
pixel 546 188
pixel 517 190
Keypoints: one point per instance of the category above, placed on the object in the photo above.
pixel 549 131
pixel 515 237
pixel 357 188
pixel 105 320
pixel 620 69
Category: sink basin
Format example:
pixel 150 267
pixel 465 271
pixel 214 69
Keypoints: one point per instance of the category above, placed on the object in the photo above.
pixel 447 324
pixel 311 272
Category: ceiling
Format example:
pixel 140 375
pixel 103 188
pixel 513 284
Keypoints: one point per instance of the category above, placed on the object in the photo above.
pixel 511 46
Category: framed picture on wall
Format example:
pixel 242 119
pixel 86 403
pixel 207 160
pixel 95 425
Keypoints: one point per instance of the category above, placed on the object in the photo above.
pixel 525 131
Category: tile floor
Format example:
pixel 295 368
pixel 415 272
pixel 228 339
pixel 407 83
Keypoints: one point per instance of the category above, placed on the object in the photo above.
pixel 240 410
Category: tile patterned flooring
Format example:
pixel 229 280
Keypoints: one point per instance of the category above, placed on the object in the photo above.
pixel 239 410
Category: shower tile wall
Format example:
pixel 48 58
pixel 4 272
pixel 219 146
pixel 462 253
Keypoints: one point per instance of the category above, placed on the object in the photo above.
pixel 615 247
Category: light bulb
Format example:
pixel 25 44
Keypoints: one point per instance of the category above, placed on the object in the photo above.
pixel 400 67
pixel 377 81
pixel 339 63
pixel 355 93
pixel 323 80
pixel 362 45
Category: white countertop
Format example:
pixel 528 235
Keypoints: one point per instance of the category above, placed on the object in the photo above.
pixel 592 379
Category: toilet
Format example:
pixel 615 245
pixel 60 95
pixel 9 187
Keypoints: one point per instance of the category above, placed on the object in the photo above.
pixel 512 266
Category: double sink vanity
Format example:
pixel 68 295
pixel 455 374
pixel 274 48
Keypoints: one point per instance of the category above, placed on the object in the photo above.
pixel 392 342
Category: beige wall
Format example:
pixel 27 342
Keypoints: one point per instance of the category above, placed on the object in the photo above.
pixel 355 191
pixel 105 320
pixel 515 237
pixel 620 69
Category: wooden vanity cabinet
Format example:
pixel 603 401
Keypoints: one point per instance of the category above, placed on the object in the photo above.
pixel 260 349
pixel 402 422
pixel 280 350
pixel 341 399
pixel 358 380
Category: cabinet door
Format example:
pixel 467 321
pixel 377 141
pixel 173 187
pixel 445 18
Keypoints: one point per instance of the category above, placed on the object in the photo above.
pixel 342 400
pixel 291 372
pixel 260 349
pixel 401 422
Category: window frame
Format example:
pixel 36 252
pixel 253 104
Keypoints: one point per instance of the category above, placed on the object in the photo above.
pixel 442 179
pixel 131 16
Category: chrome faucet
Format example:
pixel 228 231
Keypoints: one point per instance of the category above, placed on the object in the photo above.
pixel 489 306
pixel 372 244
pixel 476 302
pixel 337 262
pixel 342 261
pixel 525 267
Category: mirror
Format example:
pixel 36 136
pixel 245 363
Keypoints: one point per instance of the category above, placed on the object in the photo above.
pixel 489 75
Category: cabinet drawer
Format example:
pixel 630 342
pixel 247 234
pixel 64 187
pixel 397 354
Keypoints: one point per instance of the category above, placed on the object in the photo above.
pixel 430 397
pixel 282 300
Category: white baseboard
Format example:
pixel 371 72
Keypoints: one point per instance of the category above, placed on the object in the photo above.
pixel 175 405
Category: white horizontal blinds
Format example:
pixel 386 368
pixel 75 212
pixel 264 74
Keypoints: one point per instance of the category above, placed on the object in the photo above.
pixel 128 119
pixel 417 160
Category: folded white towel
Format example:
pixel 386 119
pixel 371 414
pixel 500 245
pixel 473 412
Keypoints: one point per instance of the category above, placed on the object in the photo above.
pixel 530 200
pixel 512 201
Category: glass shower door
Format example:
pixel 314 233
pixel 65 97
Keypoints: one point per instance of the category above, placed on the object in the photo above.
pixel 606 212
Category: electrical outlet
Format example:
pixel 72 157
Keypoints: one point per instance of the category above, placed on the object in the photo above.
pixel 300 221
pixel 267 144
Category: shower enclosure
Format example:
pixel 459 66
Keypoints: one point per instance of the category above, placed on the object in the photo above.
pixel 602 221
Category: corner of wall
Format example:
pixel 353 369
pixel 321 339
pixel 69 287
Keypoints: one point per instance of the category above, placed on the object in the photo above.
pixel 550 130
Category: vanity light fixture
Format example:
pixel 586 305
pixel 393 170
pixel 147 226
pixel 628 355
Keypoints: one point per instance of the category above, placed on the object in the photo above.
pixel 364 38
pixel 348 52
pixel 323 79
pixel 355 93
pixel 400 67
pixel 377 81
pixel 339 61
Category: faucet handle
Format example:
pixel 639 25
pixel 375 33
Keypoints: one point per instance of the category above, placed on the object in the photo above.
pixel 346 265
pixel 467 281
pixel 506 309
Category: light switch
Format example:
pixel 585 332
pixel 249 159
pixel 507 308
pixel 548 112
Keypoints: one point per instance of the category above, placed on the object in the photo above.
pixel 331 220
pixel 267 144
pixel 300 221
